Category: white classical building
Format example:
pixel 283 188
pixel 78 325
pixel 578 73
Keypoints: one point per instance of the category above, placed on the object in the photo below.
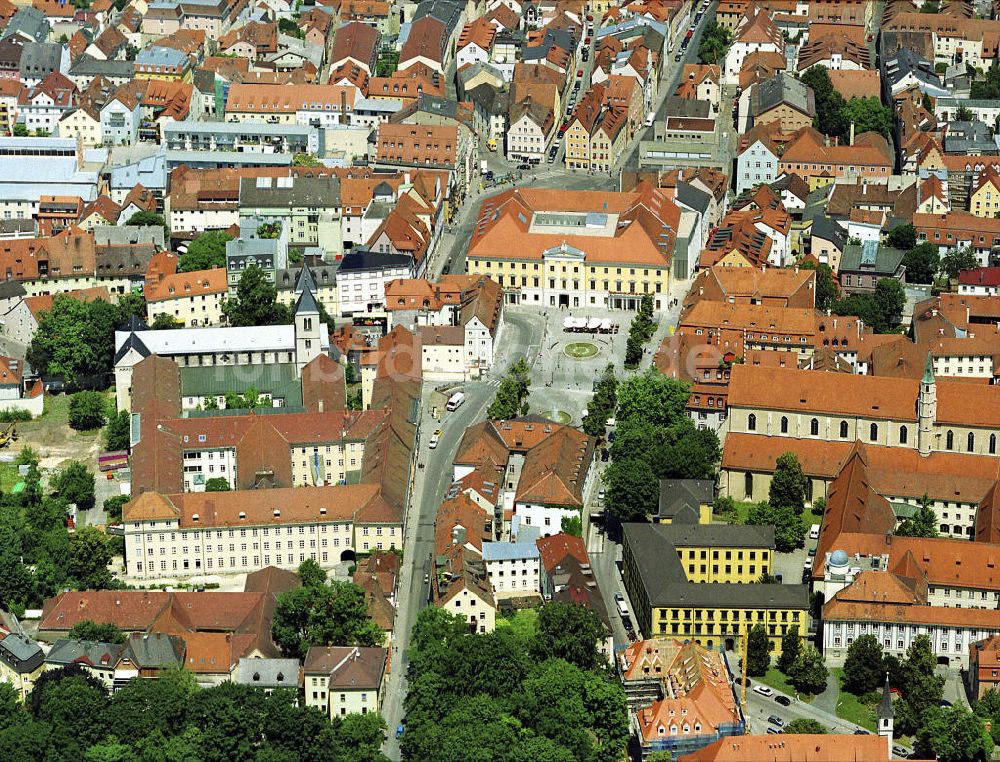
pixel 247 346
pixel 241 531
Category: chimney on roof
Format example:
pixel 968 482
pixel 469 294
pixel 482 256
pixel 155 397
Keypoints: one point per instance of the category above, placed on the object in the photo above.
pixel 319 405
pixel 851 139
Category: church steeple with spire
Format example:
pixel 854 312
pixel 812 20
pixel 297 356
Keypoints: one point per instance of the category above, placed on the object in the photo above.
pixel 926 409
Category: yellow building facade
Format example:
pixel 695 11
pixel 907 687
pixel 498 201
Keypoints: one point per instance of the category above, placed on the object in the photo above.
pixel 700 582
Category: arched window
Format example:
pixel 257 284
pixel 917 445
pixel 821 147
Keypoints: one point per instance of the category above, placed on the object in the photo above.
pixel 903 433
pixel 970 442
pixel 949 441
pixel 784 424
pixel 748 485
pixel 752 422
pixel 993 444
pixel 843 429
pixel 873 432
pixel 814 427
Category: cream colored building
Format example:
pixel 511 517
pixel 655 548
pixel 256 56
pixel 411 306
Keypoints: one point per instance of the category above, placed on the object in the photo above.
pixel 192 299
pixel 81 125
pixel 342 680
pixel 929 415
pixel 242 531
pixel 561 248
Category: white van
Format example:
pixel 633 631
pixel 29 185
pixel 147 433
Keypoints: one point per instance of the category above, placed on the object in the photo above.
pixel 456 401
pixel 814 532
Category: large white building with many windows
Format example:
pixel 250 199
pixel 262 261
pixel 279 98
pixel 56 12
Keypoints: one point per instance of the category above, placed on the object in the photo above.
pixel 241 531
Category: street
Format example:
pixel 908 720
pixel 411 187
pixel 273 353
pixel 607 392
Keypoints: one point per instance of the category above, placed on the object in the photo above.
pixel 429 486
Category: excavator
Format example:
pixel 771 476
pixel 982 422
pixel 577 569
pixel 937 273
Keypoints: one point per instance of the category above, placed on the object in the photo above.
pixel 9 435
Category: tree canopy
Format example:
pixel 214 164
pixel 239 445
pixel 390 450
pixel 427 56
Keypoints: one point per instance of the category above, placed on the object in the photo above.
pixel 323 615
pixel 503 696
pixel 205 252
pixel 758 651
pixel 602 405
pixel 511 398
pixel 923 523
pixel 715 41
pixel 87 410
pixel 69 715
pixel 75 339
pixel 256 302
pixel 98 633
pixel 827 290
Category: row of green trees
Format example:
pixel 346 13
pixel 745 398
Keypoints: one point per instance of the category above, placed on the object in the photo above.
pixel 802 664
pixel 654 439
pixel 38 557
pixel 70 716
pixel 949 734
pixel 508 696
pixel 602 405
pixel 511 398
pixel 923 262
pixel 640 332
pixel 834 116
pixel 881 310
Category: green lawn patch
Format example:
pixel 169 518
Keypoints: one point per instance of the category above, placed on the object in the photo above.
pixel 523 622
pixel 850 708
pixel 580 350
pixel 8 477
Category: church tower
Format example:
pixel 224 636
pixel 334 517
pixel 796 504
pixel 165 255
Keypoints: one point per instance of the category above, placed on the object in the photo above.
pixel 885 715
pixel 307 330
pixel 926 409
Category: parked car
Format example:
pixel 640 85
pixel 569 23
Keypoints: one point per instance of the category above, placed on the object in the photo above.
pixel 860 732
pixel 776 720
pixel 783 700
pixel 900 751
pixel 678 57
pixel 622 606
pixel 523 166
pixel 400 729
pixel 763 690
pixel 774 731
pixel 435 438
pixel 579 72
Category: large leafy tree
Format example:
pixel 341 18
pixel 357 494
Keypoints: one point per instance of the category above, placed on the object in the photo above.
pixel 325 615
pixel 87 410
pixel 923 523
pixel 808 673
pixel 789 529
pixel 922 262
pixel 105 632
pixel 863 670
pixel 72 703
pixel 867 115
pixel 958 261
pixel 118 433
pixel 256 302
pixel 827 290
pixel 791 647
pixel 804 726
pixel 953 734
pixel 902 237
pixel 922 689
pixel 75 340
pixel 758 651
pixel 569 631
pixel 633 490
pixel 88 560
pixel 75 484
pixel 715 41
pixel 205 252
pixel 829 118
pixel 788 485
pixel 653 397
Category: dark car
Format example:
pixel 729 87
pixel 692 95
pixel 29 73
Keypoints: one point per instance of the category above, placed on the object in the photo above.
pixel 783 700
pixel 488 174
pixel 524 166
pixel 860 732
pixel 678 57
